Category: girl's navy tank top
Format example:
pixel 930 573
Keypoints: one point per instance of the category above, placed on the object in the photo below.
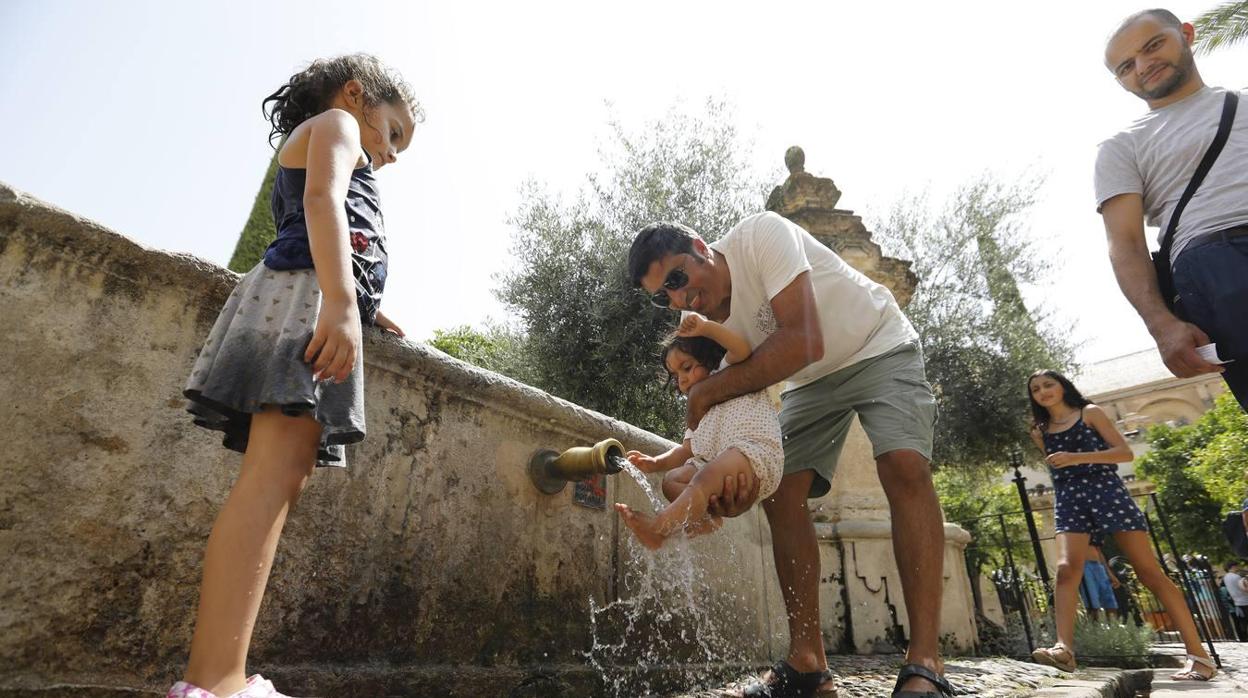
pixel 1079 438
pixel 291 250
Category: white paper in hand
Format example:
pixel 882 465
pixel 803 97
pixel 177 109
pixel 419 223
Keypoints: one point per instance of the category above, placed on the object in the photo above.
pixel 1209 353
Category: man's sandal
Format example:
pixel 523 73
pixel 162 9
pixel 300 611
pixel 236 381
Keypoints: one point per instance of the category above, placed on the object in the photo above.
pixel 1190 673
pixel 1058 656
pixel 909 671
pixel 787 682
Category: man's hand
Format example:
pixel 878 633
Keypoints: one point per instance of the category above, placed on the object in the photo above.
pixel 738 496
pixel 1177 342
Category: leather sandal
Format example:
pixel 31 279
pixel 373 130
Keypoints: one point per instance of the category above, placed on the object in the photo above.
pixel 909 671
pixel 1190 673
pixel 787 682
pixel 1058 656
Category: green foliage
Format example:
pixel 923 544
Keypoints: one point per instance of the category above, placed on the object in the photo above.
pixel 497 348
pixel 591 338
pixel 1199 472
pixel 1222 463
pixel 969 497
pixel 260 229
pixel 980 339
pixel 1224 25
pixel 1114 644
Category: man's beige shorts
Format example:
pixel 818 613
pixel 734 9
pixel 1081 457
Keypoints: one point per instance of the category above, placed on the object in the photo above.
pixel 891 396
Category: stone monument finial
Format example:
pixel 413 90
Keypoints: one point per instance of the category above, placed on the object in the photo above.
pixel 802 190
pixel 795 159
pixel 810 202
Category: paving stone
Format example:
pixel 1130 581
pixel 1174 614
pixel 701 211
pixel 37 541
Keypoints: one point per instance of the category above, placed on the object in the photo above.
pixel 997 677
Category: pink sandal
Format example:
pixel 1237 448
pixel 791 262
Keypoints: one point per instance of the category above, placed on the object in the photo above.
pixel 257 687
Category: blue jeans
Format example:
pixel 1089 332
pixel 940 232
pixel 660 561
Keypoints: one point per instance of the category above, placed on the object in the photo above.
pixel 1212 281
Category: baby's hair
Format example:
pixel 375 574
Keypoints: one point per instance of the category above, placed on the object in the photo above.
pixel 311 91
pixel 706 352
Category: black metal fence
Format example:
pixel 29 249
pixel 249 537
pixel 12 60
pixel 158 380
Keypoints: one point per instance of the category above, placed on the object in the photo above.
pixel 1008 547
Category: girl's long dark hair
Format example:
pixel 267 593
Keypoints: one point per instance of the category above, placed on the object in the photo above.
pixel 706 352
pixel 311 91
pixel 1070 395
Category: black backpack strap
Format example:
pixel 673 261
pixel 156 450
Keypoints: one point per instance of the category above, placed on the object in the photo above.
pixel 1206 164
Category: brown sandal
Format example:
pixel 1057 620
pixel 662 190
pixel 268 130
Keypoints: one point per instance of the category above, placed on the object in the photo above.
pixel 1058 656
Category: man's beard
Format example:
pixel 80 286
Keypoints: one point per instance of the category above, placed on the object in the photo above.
pixel 1179 74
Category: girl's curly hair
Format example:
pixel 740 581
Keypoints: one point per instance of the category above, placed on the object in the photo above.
pixel 706 352
pixel 311 91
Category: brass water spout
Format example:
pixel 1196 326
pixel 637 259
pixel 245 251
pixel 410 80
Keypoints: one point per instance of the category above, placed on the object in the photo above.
pixel 551 471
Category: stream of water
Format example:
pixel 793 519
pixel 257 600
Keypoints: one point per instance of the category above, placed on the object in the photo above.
pixel 671 623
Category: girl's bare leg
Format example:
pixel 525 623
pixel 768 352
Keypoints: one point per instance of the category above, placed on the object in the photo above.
pixel 1072 549
pixel 1134 544
pixel 690 507
pixel 281 453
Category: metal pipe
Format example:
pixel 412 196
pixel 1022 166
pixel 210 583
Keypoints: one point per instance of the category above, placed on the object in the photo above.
pixel 551 470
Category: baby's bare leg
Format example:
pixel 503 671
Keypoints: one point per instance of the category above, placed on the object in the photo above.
pixel 707 525
pixel 677 479
pixel 690 507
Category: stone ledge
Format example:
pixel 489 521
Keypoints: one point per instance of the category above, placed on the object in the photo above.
pixel 85 243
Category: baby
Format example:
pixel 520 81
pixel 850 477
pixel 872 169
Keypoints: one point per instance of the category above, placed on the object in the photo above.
pixel 740 435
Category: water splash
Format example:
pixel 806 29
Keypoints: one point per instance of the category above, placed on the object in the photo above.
pixel 674 624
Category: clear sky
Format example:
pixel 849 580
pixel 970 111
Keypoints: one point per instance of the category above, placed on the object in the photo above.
pixel 145 116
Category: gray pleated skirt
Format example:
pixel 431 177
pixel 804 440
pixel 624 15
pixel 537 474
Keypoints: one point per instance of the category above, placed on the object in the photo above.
pixel 253 358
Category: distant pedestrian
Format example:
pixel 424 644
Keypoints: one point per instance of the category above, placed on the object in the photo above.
pixel 1237 587
pixel 1099 582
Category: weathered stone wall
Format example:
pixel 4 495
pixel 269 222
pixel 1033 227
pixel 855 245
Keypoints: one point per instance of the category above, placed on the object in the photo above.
pixel 432 559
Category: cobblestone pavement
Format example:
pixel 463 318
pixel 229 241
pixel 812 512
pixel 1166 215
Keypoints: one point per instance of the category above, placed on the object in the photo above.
pixel 874 675
pixel 996 677
pixel 1234 672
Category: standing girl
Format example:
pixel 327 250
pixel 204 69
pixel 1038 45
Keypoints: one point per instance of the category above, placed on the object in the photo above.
pixel 281 373
pixel 1083 447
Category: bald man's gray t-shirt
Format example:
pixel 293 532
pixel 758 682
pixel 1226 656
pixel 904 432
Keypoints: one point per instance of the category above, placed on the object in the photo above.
pixel 1157 155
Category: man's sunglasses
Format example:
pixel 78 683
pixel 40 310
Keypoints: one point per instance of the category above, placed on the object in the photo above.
pixel 676 280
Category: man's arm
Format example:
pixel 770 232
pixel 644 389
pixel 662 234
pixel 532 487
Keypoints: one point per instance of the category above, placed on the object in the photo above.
pixel 1128 253
pixel 796 343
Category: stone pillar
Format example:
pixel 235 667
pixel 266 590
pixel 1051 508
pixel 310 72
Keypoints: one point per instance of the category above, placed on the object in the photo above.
pixel 860 594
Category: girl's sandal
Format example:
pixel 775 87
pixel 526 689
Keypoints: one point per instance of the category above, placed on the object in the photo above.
pixel 1191 673
pixel 1058 656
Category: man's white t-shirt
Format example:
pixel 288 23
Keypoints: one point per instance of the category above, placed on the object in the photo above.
pixel 1234 585
pixel 859 318
pixel 1157 155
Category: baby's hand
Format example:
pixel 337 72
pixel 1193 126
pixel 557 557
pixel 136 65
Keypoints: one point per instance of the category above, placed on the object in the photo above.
pixel 691 325
pixel 644 463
